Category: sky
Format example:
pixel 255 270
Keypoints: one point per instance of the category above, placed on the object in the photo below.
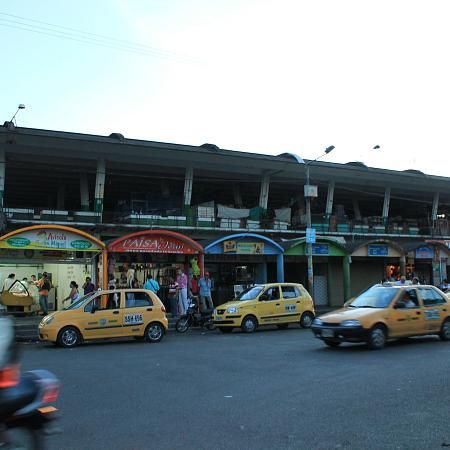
pixel 263 76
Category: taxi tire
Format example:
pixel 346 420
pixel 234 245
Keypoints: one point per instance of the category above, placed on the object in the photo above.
pixel 306 320
pixel 249 324
pixel 377 337
pixel 73 330
pixel 154 325
pixel 331 343
pixel 444 334
pixel 225 329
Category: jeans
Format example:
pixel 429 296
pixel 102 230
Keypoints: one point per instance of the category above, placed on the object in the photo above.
pixel 207 301
pixel 43 301
pixel 182 295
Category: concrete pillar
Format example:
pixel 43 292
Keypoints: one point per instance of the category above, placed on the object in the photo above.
pixel 347 278
pixel 100 186
pixel 238 203
pixel 264 192
pixel 387 201
pixel 84 192
pixel 188 181
pixel 60 197
pixel 330 198
pixel 434 210
pixel 403 266
pixel 356 210
pixel 280 268
pixel 2 175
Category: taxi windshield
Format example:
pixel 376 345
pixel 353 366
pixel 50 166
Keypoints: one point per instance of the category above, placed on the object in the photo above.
pixel 250 293
pixel 80 302
pixel 375 297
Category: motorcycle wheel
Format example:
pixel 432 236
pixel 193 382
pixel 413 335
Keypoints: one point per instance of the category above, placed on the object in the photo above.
pixel 23 438
pixel 210 326
pixel 183 324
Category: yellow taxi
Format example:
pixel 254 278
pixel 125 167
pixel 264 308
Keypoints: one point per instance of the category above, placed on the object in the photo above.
pixel 266 304
pixel 116 313
pixel 387 311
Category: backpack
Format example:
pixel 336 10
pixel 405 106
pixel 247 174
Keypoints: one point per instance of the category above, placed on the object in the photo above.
pixel 46 285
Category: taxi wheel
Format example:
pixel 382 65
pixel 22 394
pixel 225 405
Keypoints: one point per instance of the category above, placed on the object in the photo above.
pixel 69 337
pixel 249 324
pixel 331 343
pixel 306 320
pixel 282 326
pixel 154 332
pixel 377 338
pixel 445 331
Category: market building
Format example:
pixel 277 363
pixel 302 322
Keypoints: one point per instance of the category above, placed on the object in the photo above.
pixel 111 186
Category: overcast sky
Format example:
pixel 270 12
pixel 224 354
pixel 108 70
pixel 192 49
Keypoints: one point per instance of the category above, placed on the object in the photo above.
pixel 261 76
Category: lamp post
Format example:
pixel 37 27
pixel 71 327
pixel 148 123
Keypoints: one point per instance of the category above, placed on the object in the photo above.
pixel 311 192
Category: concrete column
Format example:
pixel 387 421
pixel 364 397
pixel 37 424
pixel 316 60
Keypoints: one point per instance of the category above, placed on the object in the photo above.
pixel 330 198
pixel 434 210
pixel 356 210
pixel 403 265
pixel 84 192
pixel 280 268
pixel 100 186
pixel 347 279
pixel 237 196
pixel 387 201
pixel 60 197
pixel 188 181
pixel 2 175
pixel 264 192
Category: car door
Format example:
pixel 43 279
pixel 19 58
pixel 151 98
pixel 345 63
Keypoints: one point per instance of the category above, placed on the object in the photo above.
pixel 269 307
pixel 406 316
pixel 291 307
pixel 101 318
pixel 137 312
pixel 435 308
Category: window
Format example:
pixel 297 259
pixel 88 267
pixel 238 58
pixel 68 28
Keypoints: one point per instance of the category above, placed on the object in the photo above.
pixel 138 300
pixel 290 292
pixel 272 293
pixel 431 297
pixel 106 300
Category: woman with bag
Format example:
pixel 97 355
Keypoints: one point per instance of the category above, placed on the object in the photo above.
pixel 173 296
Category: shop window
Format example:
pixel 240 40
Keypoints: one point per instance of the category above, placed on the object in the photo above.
pixel 431 297
pixel 290 292
pixel 138 300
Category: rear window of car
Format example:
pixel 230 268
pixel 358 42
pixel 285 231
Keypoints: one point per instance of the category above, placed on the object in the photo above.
pixel 290 292
pixel 138 300
pixel 431 297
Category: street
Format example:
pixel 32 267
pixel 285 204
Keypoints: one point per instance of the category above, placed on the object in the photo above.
pixel 274 389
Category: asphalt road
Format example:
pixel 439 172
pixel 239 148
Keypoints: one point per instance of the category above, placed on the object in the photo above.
pixel 274 389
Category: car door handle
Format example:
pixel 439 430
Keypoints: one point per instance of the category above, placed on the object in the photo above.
pixel 115 312
pixel 298 301
pixel 149 309
pixel 418 313
pixel 444 309
pixel 277 304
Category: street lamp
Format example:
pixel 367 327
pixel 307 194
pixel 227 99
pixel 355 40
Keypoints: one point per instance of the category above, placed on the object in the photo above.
pixel 21 106
pixel 311 192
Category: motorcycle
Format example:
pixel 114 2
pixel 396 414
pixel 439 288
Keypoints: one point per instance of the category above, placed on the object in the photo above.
pixel 26 410
pixel 195 318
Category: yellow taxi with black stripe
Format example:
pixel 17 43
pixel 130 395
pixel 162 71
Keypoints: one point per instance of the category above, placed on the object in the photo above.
pixel 266 304
pixel 387 311
pixel 137 313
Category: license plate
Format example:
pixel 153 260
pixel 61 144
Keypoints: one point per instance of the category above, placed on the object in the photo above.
pixel 327 333
pixel 218 318
pixel 133 319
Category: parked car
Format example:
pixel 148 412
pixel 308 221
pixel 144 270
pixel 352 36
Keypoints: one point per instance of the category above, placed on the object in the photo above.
pixel 387 311
pixel 266 304
pixel 117 313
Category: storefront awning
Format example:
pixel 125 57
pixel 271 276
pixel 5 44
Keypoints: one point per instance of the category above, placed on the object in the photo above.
pixel 155 241
pixel 50 237
pixel 244 244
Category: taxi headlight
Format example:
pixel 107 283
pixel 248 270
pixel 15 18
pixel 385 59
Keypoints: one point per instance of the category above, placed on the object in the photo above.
pixel 232 310
pixel 317 321
pixel 47 320
pixel 350 323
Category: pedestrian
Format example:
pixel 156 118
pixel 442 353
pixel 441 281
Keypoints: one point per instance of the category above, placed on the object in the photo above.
pixel 403 281
pixel 444 285
pixel 182 291
pixel 74 295
pixel 415 281
pixel 9 282
pixel 44 287
pixel 193 286
pixel 173 296
pixel 88 286
pixel 205 286
pixel 152 285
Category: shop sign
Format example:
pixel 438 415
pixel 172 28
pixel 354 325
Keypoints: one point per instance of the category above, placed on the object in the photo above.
pixel 49 239
pixel 377 250
pixel 243 248
pixel 153 244
pixel 320 249
pixel 424 253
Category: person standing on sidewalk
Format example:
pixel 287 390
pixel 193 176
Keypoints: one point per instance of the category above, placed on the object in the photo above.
pixel 44 287
pixel 205 286
pixel 152 285
pixel 182 281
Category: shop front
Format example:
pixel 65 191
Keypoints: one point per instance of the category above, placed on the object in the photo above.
pixel 159 253
pixel 427 261
pixel 331 269
pixel 241 260
pixel 65 253
pixel 374 261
